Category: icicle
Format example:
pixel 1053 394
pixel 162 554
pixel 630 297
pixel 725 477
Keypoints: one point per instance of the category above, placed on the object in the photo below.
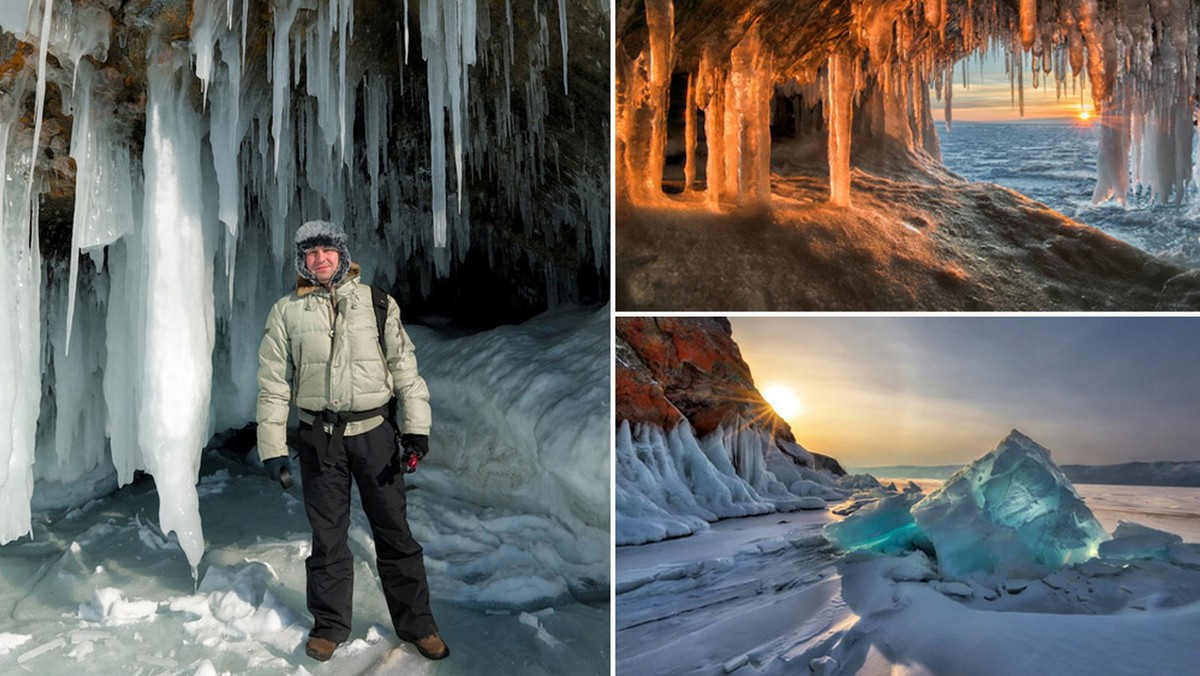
pixel 20 351
pixel 176 375
pixel 949 94
pixel 1112 167
pixel 1020 66
pixel 562 33
pixel 1028 16
pixel 448 46
pixel 840 102
pixel 43 48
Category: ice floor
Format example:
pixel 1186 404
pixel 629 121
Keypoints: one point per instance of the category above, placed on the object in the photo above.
pixel 99 590
pixel 766 595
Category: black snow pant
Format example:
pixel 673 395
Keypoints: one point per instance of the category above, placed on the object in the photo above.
pixel 331 566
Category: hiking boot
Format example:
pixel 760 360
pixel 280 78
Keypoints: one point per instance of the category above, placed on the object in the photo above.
pixel 320 649
pixel 432 647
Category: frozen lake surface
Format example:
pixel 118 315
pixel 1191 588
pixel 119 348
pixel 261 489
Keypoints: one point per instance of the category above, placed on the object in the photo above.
pixel 1056 165
pixel 766 595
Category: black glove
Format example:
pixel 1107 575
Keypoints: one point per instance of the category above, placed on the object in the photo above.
pixel 415 443
pixel 280 469
pixel 409 449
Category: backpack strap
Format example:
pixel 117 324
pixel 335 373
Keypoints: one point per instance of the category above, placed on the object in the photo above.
pixel 379 301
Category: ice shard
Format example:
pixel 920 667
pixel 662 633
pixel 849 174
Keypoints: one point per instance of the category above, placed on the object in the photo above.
pixel 886 526
pixel 1012 512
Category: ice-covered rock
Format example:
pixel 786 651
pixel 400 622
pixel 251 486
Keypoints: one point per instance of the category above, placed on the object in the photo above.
pixel 1012 512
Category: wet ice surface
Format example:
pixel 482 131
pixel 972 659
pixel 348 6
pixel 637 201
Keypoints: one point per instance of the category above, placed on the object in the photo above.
pixel 1055 163
pixel 99 590
pixel 766 595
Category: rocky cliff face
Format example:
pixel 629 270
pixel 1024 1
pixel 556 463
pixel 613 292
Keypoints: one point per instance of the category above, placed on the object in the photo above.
pixel 671 369
pixel 696 442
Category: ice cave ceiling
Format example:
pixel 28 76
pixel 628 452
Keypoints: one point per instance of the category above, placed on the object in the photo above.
pixel 517 158
pixel 872 65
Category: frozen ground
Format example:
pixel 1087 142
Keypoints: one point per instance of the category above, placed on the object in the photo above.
pixel 100 591
pixel 765 595
pixel 915 238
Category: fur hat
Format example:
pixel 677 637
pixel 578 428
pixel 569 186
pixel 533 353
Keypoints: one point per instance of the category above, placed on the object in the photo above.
pixel 326 234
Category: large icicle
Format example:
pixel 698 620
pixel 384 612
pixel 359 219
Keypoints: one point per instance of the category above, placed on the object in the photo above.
pixel 20 347
pixel 448 46
pixel 176 374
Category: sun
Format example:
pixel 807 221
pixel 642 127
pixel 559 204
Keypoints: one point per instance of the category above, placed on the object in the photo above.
pixel 1085 115
pixel 783 399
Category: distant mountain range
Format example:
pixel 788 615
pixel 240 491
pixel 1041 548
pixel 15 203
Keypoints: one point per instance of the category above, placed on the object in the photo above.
pixel 1163 473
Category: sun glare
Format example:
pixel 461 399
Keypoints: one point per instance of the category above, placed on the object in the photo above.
pixel 783 399
pixel 1085 115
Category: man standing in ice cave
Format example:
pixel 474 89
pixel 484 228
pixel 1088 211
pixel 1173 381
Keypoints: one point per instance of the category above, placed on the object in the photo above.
pixel 323 346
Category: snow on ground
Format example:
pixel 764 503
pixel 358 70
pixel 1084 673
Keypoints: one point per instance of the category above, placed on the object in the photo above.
pixel 519 583
pixel 766 595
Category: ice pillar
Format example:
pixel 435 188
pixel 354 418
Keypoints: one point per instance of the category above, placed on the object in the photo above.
pixel 689 134
pixel 841 112
pixel 660 21
pixel 710 97
pixel 748 122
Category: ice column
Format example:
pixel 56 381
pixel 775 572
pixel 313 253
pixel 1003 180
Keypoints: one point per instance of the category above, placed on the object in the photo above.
pixel 660 22
pixel 711 98
pixel 689 134
pixel 748 122
pixel 176 374
pixel 840 115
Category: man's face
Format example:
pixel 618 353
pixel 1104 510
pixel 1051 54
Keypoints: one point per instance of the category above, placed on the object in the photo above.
pixel 322 262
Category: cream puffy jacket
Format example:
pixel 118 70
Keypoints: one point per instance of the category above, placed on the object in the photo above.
pixel 321 350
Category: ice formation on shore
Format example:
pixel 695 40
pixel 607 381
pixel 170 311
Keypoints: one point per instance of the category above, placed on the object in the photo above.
pixel 1011 512
pixel 670 483
pixel 870 65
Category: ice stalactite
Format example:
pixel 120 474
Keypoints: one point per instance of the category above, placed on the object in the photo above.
pixel 20 341
pixel 448 44
pixel 175 381
pixel 103 191
pixel 840 111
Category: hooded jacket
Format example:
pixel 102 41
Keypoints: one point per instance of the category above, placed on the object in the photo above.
pixel 321 350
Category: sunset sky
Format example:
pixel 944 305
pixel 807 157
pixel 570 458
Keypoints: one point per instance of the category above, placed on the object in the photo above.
pixel 945 390
pixel 988 95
